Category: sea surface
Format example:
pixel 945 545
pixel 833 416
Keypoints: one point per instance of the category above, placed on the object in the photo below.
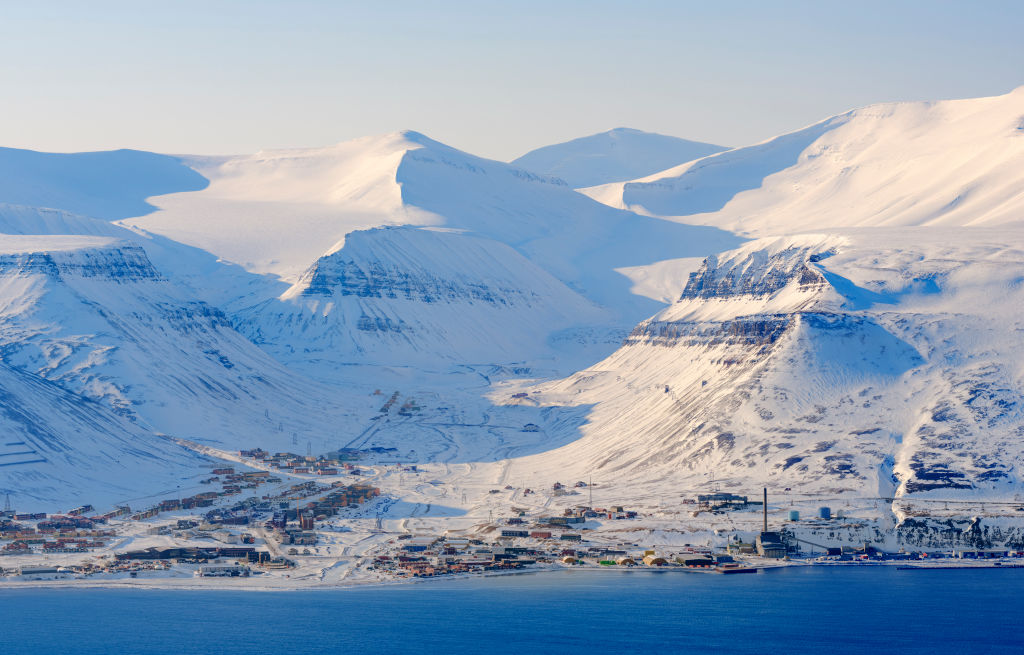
pixel 820 610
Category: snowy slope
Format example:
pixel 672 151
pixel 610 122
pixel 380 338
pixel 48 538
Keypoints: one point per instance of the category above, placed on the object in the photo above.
pixel 199 273
pixel 92 315
pixel 58 450
pixel 25 220
pixel 955 162
pixel 276 212
pixel 403 296
pixel 108 185
pixel 880 362
pixel 613 156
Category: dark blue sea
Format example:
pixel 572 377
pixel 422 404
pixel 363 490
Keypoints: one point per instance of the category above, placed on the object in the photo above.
pixel 830 610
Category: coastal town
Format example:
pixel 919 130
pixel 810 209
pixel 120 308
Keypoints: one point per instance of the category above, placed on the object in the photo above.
pixel 289 520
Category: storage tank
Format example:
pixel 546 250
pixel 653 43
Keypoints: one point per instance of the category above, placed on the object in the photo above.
pixel 794 515
pixel 825 512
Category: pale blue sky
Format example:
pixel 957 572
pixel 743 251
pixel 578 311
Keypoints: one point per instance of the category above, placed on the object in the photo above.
pixel 496 79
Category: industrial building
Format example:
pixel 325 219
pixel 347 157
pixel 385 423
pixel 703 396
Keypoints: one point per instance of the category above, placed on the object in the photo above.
pixel 769 544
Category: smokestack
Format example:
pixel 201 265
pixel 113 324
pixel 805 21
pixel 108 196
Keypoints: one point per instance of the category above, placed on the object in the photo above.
pixel 765 510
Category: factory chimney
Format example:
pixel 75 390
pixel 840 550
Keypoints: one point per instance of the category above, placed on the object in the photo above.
pixel 765 506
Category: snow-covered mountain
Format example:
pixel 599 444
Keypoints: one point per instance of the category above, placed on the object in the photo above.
pixel 880 362
pixel 875 356
pixel 954 162
pixel 613 156
pixel 94 317
pixel 142 325
pixel 277 212
pixel 404 295
pixel 291 214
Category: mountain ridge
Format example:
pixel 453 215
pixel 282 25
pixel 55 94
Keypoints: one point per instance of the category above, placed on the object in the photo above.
pixel 617 155
pixel 898 164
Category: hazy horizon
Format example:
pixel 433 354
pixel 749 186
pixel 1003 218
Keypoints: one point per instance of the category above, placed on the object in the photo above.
pixel 496 81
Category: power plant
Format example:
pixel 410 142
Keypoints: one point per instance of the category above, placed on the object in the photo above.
pixel 769 544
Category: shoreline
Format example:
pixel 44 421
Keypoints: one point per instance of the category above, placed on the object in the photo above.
pixel 287 585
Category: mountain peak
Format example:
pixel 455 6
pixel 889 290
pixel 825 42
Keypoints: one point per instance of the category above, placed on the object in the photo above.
pixel 620 154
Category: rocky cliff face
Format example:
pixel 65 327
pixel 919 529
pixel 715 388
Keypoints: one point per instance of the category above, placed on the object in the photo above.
pixel 123 263
pixel 340 275
pixel 759 274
